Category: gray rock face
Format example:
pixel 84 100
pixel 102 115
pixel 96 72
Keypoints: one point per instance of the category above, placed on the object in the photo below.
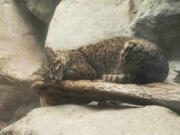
pixel 78 22
pixel 42 9
pixel 74 119
pixel 159 21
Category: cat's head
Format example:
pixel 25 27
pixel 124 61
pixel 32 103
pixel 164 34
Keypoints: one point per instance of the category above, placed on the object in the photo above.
pixel 51 69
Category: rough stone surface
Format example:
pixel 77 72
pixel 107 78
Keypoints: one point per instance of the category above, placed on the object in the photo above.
pixel 16 100
pixel 21 38
pixel 82 22
pixel 42 9
pixel 23 109
pixel 159 21
pixel 174 72
pixel 20 41
pixel 74 119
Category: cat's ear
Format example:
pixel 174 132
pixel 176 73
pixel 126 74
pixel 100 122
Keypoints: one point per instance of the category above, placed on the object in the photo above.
pixel 49 53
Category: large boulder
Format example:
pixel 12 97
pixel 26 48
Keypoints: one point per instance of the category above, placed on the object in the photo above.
pixel 77 22
pixel 76 120
pixel 21 40
pixel 159 21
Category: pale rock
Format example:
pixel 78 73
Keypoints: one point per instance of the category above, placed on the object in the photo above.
pixel 81 22
pixel 21 41
pixel 76 120
pixel 174 72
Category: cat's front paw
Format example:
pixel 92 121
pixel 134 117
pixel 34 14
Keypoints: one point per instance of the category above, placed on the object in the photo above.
pixel 36 77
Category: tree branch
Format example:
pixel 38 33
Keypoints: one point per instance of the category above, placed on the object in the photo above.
pixel 163 94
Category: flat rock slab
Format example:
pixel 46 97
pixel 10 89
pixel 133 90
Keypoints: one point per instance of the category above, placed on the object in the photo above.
pixel 89 120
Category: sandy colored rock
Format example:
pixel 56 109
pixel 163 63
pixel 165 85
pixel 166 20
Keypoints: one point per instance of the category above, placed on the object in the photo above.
pixel 21 40
pixel 78 22
pixel 74 119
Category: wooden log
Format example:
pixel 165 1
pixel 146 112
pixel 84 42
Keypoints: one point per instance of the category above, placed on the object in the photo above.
pixel 163 94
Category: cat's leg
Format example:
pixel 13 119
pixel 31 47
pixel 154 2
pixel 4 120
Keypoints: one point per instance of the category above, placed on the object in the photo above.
pixel 114 78
pixel 121 78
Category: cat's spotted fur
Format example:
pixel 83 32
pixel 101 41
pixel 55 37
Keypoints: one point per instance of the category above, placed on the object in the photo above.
pixel 119 59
